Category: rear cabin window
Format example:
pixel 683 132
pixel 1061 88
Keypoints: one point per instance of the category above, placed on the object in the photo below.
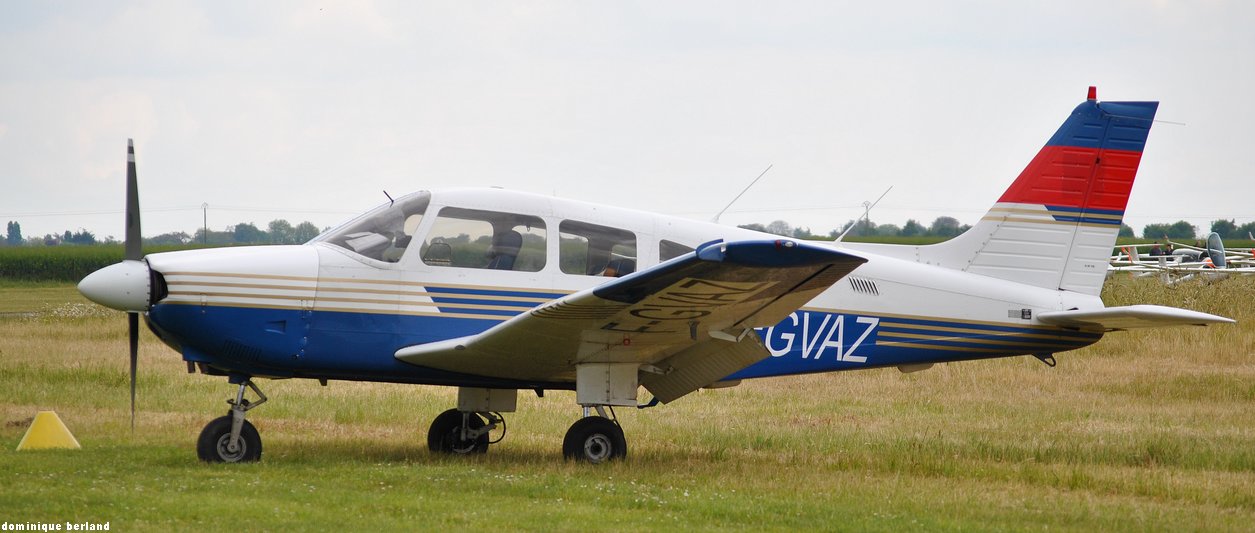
pixel 594 250
pixel 471 238
pixel 668 250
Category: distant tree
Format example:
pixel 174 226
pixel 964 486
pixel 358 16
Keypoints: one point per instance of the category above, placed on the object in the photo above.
pixel 945 227
pixel 282 232
pixel 1155 231
pixel 1226 228
pixel 304 232
pixel 81 236
pixel 247 233
pixel 14 237
pixel 912 229
pixel 780 227
pixel 1126 231
pixel 219 238
pixel 754 227
pixel 864 227
pixel 802 233
pixel 1182 230
pixel 837 232
pixel 1177 230
pixel 891 230
pixel 172 238
pixel 1245 230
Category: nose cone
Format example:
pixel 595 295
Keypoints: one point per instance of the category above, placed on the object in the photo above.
pixel 123 286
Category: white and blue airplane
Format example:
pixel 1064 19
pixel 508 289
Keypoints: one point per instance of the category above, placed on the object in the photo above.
pixel 493 292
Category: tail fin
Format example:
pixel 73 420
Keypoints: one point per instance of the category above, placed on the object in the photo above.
pixel 1056 224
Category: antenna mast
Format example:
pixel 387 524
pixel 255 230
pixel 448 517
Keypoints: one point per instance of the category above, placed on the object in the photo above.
pixel 738 197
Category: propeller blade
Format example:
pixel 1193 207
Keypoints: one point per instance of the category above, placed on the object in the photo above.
pixel 134 250
pixel 133 321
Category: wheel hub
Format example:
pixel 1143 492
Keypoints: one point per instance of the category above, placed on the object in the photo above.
pixel 225 451
pixel 598 448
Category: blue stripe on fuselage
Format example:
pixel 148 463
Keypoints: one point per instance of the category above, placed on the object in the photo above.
pixel 820 341
pixel 322 344
pixel 361 346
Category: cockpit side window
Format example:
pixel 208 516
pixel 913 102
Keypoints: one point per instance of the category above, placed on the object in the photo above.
pixel 595 250
pixel 383 234
pixel 472 238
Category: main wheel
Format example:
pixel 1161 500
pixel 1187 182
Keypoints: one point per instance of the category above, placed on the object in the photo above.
pixel 594 439
pixel 445 435
pixel 213 446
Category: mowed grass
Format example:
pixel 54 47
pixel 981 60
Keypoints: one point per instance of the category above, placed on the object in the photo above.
pixel 1147 430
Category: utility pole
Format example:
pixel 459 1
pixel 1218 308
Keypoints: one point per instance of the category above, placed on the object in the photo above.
pixel 204 213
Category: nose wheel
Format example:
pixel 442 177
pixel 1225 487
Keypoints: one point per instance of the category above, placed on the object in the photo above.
pixel 215 443
pixel 231 438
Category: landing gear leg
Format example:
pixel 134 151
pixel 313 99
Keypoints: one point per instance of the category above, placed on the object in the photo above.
pixel 595 439
pixel 463 432
pixel 231 438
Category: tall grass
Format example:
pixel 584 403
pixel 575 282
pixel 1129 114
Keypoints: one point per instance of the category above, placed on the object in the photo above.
pixel 61 263
pixel 1148 430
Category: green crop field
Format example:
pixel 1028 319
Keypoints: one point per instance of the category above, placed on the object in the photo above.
pixel 1143 431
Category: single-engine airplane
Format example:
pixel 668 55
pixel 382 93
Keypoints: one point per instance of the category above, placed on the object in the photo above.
pixel 493 292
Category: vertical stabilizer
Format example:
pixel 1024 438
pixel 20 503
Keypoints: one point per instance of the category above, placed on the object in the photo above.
pixel 1056 224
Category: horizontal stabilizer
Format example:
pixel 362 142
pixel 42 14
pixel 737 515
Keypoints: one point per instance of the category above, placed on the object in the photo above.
pixel 1131 316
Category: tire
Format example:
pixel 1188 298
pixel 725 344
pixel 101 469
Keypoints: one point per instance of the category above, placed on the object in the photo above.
pixel 594 440
pixel 211 447
pixel 445 434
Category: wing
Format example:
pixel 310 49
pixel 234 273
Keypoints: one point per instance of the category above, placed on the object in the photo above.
pixel 689 321
pixel 1129 317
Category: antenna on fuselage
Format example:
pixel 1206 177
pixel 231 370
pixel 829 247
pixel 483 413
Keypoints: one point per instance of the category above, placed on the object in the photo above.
pixel 390 200
pixel 867 210
pixel 738 197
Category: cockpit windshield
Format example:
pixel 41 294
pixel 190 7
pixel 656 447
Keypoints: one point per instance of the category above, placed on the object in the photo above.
pixel 384 233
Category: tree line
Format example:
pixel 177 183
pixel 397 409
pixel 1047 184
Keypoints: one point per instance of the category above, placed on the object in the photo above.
pixel 949 227
pixel 278 231
pixel 941 227
pixel 281 231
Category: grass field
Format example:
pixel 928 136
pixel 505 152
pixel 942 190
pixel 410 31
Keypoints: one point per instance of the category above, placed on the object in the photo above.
pixel 1143 431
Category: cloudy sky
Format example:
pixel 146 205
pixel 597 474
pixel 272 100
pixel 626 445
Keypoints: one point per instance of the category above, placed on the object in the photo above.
pixel 308 110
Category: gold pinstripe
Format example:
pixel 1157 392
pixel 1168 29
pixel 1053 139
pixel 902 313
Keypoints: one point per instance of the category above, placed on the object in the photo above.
pixel 497 318
pixel 1001 342
pixel 949 329
pixel 361 281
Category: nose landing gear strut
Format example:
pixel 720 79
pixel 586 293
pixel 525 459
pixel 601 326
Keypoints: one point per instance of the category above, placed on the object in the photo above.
pixel 231 438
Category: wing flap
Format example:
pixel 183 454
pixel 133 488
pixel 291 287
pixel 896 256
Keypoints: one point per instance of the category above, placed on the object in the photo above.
pixel 702 364
pixel 1131 317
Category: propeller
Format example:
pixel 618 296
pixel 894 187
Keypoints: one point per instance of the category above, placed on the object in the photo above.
pixel 125 286
pixel 134 252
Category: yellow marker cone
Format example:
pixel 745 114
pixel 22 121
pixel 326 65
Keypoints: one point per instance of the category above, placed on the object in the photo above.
pixel 47 431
